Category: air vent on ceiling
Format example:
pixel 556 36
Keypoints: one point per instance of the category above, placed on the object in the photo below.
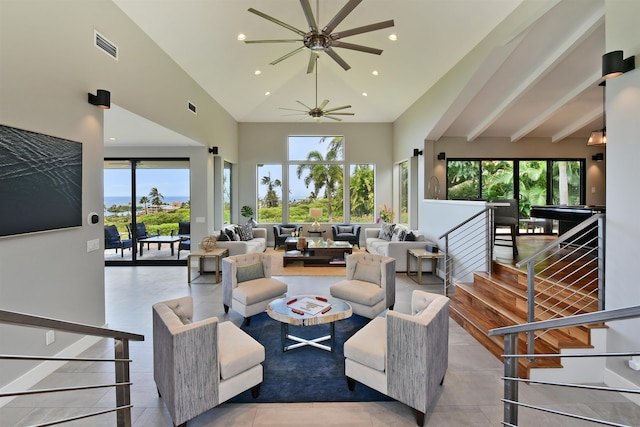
pixel 192 108
pixel 105 45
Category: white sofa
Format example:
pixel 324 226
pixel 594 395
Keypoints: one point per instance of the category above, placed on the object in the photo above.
pixel 397 249
pixel 256 245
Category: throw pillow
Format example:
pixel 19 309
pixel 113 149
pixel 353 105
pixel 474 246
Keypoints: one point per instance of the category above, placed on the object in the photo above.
pixel 245 231
pixel 386 231
pixel 230 233
pixel 410 237
pixel 398 234
pixel 223 237
pixel 367 272
pixel 345 229
pixel 286 230
pixel 249 272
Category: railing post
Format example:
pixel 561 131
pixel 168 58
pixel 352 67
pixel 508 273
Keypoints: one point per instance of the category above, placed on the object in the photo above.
pixel 490 238
pixel 510 386
pixel 531 305
pixel 601 261
pixel 123 394
pixel 446 265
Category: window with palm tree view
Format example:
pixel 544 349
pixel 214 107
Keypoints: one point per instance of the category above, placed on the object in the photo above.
pixel 318 177
pixel 532 182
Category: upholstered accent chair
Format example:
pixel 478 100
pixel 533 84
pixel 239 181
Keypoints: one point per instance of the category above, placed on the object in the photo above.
pixel 370 285
pixel 404 356
pixel 247 285
pixel 199 365
pixel 506 216
pixel 112 240
pixel 282 231
pixel 347 233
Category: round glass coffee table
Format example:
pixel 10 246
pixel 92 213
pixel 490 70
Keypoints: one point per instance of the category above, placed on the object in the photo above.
pixel 308 310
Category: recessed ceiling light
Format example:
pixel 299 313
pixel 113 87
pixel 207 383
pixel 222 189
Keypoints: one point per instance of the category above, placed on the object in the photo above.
pixel 393 37
pixel 375 72
pixel 257 72
pixel 365 94
pixel 241 37
pixel 112 139
pixel 267 93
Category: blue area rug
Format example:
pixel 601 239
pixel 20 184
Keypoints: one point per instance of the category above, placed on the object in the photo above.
pixel 305 374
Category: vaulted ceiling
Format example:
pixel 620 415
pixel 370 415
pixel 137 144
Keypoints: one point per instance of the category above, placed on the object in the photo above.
pixel 542 81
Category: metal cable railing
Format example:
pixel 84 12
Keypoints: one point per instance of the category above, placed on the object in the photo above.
pixel 121 361
pixel 468 248
pixel 566 277
pixel 511 357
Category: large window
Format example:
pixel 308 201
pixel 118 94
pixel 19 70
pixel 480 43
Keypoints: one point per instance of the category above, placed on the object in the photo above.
pixel 404 191
pixel 153 192
pixel 362 193
pixel 532 182
pixel 316 177
pixel 226 188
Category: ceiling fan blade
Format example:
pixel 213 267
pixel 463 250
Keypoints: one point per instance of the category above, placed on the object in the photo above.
pixel 341 114
pixel 337 58
pixel 312 62
pixel 292 109
pixel 324 104
pixel 274 41
pixel 308 13
pixel 347 9
pixel 337 108
pixel 305 106
pixel 333 118
pixel 358 47
pixel 275 21
pixel 364 29
pixel 282 58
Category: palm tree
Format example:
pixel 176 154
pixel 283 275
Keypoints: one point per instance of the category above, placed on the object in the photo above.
pixel 271 198
pixel 327 176
pixel 156 197
pixel 144 200
pixel 362 190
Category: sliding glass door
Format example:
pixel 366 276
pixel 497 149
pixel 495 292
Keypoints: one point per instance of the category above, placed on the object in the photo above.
pixel 148 203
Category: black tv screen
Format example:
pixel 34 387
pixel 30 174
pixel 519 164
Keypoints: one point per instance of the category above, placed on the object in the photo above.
pixel 40 182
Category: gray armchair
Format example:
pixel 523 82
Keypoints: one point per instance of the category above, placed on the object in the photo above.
pixel 282 231
pixel 404 356
pixel 370 286
pixel 247 285
pixel 199 365
pixel 347 233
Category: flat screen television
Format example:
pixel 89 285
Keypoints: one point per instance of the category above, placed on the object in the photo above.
pixel 40 182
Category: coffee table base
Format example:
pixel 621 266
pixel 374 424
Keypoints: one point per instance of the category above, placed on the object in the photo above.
pixel 303 342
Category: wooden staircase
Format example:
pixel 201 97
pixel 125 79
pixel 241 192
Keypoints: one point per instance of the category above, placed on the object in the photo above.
pixel 500 299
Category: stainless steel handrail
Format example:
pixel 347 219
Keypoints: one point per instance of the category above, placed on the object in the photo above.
pixel 121 361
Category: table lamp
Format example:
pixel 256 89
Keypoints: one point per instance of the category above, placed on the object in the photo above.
pixel 315 213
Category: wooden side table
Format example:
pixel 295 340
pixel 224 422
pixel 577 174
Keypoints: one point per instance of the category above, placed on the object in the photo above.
pixel 419 255
pixel 217 253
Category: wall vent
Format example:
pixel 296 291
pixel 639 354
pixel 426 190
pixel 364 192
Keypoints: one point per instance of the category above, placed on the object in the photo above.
pixel 105 45
pixel 192 108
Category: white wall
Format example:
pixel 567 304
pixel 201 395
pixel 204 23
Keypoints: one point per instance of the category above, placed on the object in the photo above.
pixel 623 204
pixel 47 66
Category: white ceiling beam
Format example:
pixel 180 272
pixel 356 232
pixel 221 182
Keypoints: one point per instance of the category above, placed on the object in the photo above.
pixel 549 112
pixel 577 125
pixel 546 66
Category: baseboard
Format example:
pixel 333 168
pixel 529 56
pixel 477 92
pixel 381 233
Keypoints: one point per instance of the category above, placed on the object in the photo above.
pixel 37 374
pixel 615 380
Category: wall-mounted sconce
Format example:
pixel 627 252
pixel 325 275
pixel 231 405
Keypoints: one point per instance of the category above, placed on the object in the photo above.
pixel 598 157
pixel 213 150
pixel 417 152
pixel 102 99
pixel 614 64
pixel 442 155
pixel 599 136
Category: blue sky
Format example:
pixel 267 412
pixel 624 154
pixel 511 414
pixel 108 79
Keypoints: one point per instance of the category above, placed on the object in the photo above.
pixel 169 182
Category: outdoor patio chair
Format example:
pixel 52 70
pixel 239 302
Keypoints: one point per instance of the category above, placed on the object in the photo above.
pixel 112 239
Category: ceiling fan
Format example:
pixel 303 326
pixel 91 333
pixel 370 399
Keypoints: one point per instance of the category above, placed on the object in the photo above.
pixel 319 111
pixel 324 40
